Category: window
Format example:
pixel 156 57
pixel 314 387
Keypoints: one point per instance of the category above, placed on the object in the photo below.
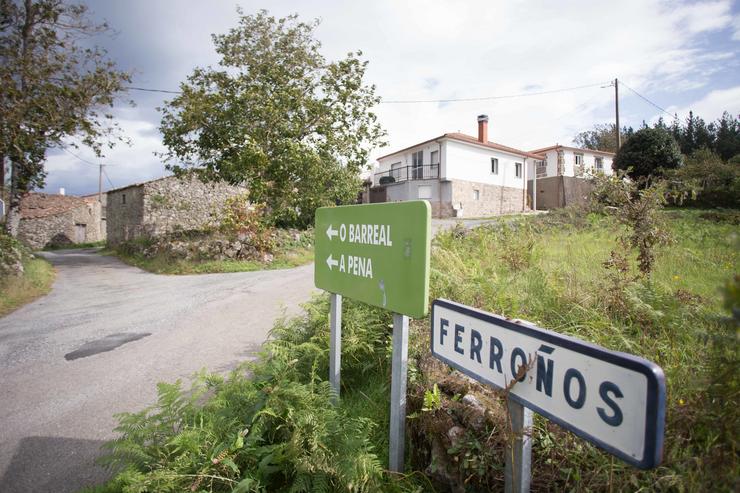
pixel 417 160
pixel 579 159
pixel 396 171
pixel 476 194
pixel 600 164
pixel 540 168
pixel 425 192
pixel 123 198
pixel 494 166
pixel 434 168
pixel 518 170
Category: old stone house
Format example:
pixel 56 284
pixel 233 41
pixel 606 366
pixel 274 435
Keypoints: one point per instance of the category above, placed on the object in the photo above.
pixel 164 205
pixel 56 219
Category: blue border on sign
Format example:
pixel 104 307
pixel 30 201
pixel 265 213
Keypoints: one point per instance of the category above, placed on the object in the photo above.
pixel 655 413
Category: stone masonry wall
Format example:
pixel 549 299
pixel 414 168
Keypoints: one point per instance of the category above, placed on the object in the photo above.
pixel 493 199
pixel 61 228
pixel 162 206
pixel 124 214
pixel 173 204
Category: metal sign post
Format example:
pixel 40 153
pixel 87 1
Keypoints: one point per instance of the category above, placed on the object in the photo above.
pixel 335 343
pixel 377 254
pixel 398 391
pixel 518 469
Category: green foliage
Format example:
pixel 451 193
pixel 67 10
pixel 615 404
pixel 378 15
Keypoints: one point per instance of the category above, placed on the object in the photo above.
pixel 603 137
pixel 668 318
pixel 266 427
pixel 649 152
pixel 242 218
pixel 432 399
pixel 34 281
pixel 278 117
pixel 717 182
pixel 54 86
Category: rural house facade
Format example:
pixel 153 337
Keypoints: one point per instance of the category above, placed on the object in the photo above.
pixel 459 175
pixel 164 205
pixel 58 219
pixel 560 176
pixel 464 176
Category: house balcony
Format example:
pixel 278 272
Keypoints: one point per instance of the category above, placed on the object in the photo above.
pixel 406 173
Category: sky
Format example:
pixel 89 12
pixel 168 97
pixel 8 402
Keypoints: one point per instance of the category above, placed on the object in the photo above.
pixel 680 55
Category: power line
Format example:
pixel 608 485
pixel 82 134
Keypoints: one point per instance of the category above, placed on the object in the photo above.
pixel 449 100
pixel 648 101
pixel 108 178
pixel 153 90
pixel 78 157
pixel 488 98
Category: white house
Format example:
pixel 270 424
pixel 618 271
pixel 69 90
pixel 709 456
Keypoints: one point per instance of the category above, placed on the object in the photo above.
pixel 560 176
pixel 459 174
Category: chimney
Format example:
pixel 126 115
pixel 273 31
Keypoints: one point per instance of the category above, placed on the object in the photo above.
pixel 483 128
pixel 61 191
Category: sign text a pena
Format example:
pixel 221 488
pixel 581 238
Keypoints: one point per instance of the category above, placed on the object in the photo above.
pixel 614 400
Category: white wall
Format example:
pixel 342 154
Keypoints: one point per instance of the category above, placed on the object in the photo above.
pixel 472 163
pixel 589 161
pixel 405 159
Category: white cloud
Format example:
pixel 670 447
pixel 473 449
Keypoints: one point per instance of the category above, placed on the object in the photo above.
pixel 438 49
pixel 713 104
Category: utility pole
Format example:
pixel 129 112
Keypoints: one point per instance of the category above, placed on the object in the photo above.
pixel 616 108
pixel 100 185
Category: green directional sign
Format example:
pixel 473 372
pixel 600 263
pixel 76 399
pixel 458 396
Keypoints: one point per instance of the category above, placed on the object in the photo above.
pixel 376 253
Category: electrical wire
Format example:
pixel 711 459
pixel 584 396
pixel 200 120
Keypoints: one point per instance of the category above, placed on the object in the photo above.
pixel 449 100
pixel 78 157
pixel 108 178
pixel 647 100
pixel 489 98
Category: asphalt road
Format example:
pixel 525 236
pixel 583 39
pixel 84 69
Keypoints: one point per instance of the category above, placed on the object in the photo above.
pixel 101 340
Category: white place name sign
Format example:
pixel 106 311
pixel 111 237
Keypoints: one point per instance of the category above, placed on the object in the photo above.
pixel 614 400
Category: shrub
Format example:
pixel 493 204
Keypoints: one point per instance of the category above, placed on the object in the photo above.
pixel 247 221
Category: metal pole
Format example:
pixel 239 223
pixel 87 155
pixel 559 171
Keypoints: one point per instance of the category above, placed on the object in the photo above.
pixel 518 471
pixel 616 109
pixel 398 392
pixel 335 342
pixel 100 185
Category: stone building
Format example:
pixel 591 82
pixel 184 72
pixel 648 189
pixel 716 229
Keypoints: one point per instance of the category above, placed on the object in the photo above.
pixel 55 219
pixel 167 204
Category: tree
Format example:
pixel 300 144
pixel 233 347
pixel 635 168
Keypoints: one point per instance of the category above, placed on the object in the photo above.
pixel 276 116
pixel 727 137
pixel 602 137
pixel 53 86
pixel 647 153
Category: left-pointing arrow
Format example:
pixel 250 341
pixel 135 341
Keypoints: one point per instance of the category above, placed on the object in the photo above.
pixel 331 262
pixel 331 232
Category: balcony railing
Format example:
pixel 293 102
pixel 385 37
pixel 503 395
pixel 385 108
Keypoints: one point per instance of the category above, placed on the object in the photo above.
pixel 405 173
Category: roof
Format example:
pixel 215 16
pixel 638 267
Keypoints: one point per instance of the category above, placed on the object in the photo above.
pixel 558 146
pixel 35 205
pixel 138 184
pixel 469 139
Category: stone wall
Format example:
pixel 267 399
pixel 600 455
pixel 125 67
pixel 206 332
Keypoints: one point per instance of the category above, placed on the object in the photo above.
pixel 78 225
pixel 492 199
pixel 124 214
pixel 165 205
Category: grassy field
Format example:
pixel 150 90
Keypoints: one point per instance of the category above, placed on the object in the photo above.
pixel 18 291
pixel 268 428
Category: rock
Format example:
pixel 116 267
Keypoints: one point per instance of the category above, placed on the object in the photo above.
pixel 474 414
pixel 455 434
pixel 268 257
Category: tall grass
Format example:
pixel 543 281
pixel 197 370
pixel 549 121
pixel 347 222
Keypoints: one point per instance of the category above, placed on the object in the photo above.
pixel 548 270
pixel 36 281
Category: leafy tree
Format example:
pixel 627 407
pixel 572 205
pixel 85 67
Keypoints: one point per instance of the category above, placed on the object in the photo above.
pixel 602 137
pixel 648 152
pixel 277 116
pixel 53 86
pixel 717 183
